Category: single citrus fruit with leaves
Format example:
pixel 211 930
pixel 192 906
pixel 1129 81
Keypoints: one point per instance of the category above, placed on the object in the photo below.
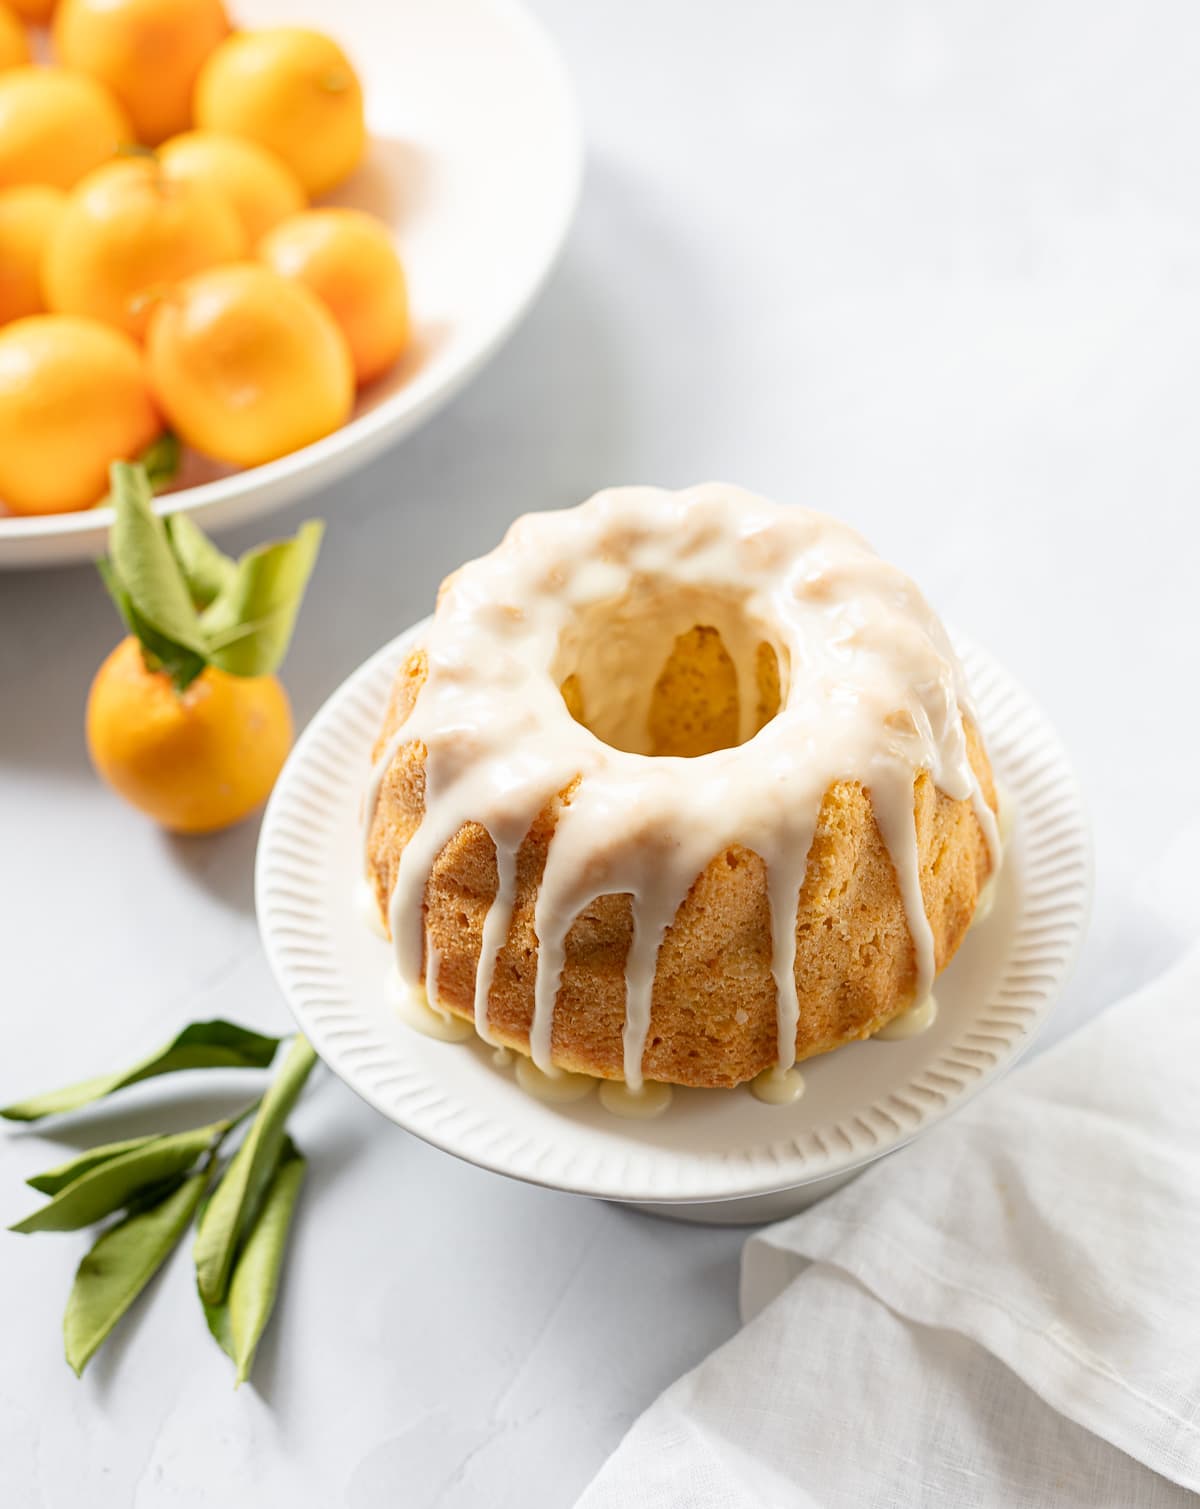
pixel 195 760
pixel 14 44
pixel 28 216
pixel 248 366
pixel 56 125
pixel 185 719
pixel 148 52
pixel 128 235
pixel 293 91
pixel 73 397
pixel 260 186
pixel 349 261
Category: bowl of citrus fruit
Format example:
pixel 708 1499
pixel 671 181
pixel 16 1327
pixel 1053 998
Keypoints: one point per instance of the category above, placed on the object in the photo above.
pixel 249 249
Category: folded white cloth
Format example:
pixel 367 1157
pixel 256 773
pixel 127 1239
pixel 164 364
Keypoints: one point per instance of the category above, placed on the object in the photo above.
pixel 1006 1313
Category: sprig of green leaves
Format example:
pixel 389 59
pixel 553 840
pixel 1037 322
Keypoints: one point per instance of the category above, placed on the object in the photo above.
pixel 120 1265
pixel 237 1201
pixel 114 1182
pixel 238 1321
pixel 203 1045
pixel 189 604
pixel 161 1182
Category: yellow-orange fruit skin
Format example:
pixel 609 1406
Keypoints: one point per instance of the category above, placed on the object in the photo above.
pixel 194 761
pixel 14 44
pixel 350 262
pixel 128 235
pixel 248 366
pixel 261 187
pixel 73 398
pixel 294 91
pixel 148 52
pixel 56 125
pixel 28 217
pixel 36 11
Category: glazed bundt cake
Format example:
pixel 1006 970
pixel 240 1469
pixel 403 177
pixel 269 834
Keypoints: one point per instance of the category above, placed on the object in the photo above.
pixel 680 786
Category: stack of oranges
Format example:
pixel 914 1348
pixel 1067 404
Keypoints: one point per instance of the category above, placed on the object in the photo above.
pixel 160 266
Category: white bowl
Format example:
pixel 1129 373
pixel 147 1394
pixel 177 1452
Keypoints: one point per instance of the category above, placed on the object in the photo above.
pixel 475 163
pixel 715 1155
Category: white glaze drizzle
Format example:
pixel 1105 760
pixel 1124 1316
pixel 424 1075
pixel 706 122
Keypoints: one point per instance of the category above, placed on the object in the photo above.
pixel 872 691
pixel 558 1086
pixel 1004 813
pixel 635 1105
pixel 911 1023
pixel 784 879
pixel 778 1087
pixel 898 829
pixel 413 1008
pixel 368 907
pixel 985 902
pixel 433 972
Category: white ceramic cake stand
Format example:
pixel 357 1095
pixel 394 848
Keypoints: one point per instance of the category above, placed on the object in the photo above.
pixel 718 1156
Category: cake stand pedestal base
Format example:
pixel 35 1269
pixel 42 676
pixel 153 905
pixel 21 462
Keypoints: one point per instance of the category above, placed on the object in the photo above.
pixel 750 1210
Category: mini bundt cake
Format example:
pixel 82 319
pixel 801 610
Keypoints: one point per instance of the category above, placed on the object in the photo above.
pixel 680 785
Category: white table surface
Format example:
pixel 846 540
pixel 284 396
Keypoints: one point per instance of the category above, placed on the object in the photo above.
pixel 934 268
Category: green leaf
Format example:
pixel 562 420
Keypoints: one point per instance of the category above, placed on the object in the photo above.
pixel 203 1045
pixel 248 627
pixel 189 604
pixel 63 1174
pixel 207 570
pixel 239 1321
pixel 220 1324
pixel 112 1184
pixel 180 663
pixel 120 1265
pixel 238 1198
pixel 142 562
pixel 161 460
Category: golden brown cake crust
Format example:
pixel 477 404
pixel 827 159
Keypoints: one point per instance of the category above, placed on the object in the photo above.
pixel 713 1018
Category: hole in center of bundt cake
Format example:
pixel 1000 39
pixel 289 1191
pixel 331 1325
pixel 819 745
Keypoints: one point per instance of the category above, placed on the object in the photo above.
pixel 669 676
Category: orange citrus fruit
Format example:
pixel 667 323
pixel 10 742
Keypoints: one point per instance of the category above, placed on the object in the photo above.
pixel 293 91
pixel 248 366
pixel 56 125
pixel 349 261
pixel 127 235
pixel 73 397
pixel 14 44
pixel 37 11
pixel 259 185
pixel 28 216
pixel 148 52
pixel 196 760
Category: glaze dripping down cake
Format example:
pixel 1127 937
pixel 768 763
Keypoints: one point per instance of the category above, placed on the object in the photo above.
pixel 680 786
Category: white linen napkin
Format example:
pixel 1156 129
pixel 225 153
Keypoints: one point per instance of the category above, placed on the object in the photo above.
pixel 1005 1313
